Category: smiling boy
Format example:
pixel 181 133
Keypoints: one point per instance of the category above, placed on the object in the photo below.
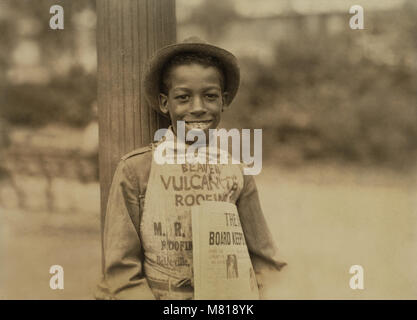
pixel 193 92
pixel 147 234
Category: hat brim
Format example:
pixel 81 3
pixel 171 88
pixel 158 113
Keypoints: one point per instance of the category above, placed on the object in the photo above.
pixel 151 80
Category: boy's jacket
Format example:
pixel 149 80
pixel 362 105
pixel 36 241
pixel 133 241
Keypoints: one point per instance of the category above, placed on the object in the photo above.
pixel 124 276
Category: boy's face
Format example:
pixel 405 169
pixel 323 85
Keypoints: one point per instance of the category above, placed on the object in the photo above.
pixel 194 96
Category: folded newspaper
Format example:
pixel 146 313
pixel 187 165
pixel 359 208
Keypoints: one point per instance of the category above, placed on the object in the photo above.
pixel 222 266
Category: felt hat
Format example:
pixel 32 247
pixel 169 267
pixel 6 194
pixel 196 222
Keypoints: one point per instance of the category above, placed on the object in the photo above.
pixel 155 65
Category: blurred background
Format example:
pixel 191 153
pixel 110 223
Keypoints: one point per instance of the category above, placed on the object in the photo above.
pixel 338 109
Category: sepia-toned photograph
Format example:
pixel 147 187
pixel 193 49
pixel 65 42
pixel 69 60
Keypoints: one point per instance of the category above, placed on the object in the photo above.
pixel 208 150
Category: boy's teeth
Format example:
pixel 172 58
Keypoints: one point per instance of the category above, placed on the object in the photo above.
pixel 198 124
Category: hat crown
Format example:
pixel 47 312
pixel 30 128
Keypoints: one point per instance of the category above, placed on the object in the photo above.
pixel 194 39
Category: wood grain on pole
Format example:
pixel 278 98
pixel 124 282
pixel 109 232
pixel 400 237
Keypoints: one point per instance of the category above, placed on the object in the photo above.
pixel 128 33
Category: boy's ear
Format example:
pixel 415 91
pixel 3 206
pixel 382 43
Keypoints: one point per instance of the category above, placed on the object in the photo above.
pixel 163 103
pixel 224 98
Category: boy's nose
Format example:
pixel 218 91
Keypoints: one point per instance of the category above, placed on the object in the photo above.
pixel 197 106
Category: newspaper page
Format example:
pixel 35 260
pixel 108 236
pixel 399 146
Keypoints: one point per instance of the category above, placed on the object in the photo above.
pixel 222 266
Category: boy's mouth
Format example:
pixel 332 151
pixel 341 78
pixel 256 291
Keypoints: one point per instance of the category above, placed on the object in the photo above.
pixel 198 124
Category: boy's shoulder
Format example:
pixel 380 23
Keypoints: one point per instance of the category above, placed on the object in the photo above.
pixel 139 163
pixel 142 152
pixel 139 160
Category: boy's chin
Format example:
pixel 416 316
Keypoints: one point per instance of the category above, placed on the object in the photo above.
pixel 198 133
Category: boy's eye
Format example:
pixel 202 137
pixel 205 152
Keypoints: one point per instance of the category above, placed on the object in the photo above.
pixel 182 97
pixel 212 96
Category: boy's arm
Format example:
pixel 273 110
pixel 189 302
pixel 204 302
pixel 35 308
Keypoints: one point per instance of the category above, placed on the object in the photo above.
pixel 123 254
pixel 261 246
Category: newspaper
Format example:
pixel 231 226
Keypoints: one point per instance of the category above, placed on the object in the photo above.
pixel 222 266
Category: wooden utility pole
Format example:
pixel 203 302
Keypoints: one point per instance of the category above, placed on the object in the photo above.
pixel 128 33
